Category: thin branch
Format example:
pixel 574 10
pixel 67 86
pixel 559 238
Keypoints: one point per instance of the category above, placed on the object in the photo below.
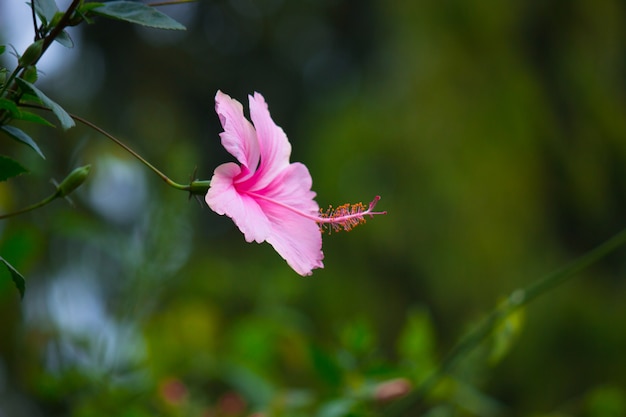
pixel 37 205
pixel 32 9
pixel 130 151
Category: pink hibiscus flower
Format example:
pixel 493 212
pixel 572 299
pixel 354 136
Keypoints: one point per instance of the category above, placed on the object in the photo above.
pixel 269 198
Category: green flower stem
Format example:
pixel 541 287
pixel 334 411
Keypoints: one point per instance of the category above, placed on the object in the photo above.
pixel 103 132
pixel 41 203
pixel 75 179
pixel 199 187
pixel 516 300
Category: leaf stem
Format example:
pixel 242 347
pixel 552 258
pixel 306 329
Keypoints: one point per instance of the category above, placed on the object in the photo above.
pixel 516 300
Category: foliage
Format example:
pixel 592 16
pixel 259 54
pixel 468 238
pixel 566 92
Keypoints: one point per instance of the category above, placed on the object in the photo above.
pixel 495 134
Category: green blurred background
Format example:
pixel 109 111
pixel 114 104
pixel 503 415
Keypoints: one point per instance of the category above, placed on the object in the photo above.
pixel 495 133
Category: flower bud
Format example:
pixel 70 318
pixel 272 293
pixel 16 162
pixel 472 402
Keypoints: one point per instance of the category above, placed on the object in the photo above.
pixel 74 180
pixel 32 54
pixel 392 389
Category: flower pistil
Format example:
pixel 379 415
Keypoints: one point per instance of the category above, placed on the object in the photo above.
pixel 347 216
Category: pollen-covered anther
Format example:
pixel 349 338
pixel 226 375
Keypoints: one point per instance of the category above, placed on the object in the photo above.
pixel 347 216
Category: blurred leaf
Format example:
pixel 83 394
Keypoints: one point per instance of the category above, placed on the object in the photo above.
pixel 33 118
pixel 2 49
pixel 416 344
pixel 60 113
pixel 18 279
pixel 358 337
pixel 137 13
pixel 336 408
pixel 10 168
pixel 20 136
pixel 64 39
pixel 470 398
pixel 608 401
pixel 46 9
pixel 505 334
pixel 326 367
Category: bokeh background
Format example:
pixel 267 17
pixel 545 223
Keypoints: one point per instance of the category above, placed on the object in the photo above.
pixel 495 133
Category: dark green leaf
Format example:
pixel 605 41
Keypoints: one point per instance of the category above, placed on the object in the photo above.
pixel 9 106
pixel 46 9
pixel 33 118
pixel 64 39
pixel 10 168
pixel 2 49
pixel 20 136
pixel 60 113
pixel 137 13
pixel 18 279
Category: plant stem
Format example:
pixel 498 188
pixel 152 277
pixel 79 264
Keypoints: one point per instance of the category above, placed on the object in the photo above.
pixel 516 300
pixel 132 152
pixel 199 187
pixel 63 22
pixel 31 207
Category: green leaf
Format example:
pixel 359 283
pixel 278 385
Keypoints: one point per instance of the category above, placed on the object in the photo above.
pixel 505 335
pixel 2 49
pixel 60 113
pixel 18 279
pixel 141 14
pixel 20 136
pixel 10 106
pixel 33 118
pixel 10 168
pixel 46 9
pixel 64 39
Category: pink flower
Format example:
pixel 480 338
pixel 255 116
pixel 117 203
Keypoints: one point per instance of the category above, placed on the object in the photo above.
pixel 269 198
pixel 265 195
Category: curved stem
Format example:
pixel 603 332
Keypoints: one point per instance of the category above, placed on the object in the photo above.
pixel 132 152
pixel 516 300
pixel 195 187
pixel 31 207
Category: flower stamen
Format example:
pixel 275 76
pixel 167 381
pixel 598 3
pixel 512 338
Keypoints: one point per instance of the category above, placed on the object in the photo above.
pixel 347 216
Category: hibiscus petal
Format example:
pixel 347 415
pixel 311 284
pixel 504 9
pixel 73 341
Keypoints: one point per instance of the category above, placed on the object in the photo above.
pixel 293 188
pixel 238 137
pixel 223 198
pixel 274 146
pixel 297 239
